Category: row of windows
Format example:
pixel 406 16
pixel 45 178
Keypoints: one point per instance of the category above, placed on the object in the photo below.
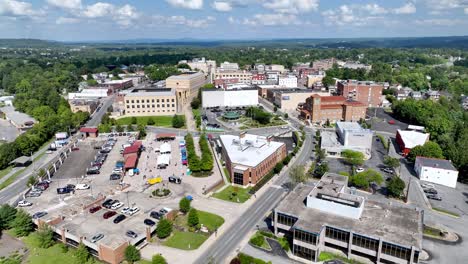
pixel 305 253
pixel 150 106
pixel 286 219
pixel 305 237
pixel 337 234
pixel 148 101
pixel 238 178
pixel 153 111
pixel 396 251
pixel 365 242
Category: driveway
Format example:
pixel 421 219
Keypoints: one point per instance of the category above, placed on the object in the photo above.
pixel 379 121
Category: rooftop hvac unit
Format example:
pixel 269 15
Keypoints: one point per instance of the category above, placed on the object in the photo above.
pixel 248 143
pixel 236 141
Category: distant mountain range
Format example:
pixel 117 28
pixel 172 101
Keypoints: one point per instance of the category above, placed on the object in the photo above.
pixel 460 42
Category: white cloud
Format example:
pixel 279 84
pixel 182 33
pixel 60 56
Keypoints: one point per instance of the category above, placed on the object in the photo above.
pixel 466 10
pixel 407 8
pixel 124 15
pixel 189 4
pixel 268 20
pixel 182 20
pixel 222 6
pixel 17 8
pixel 374 9
pixel 97 10
pixel 440 22
pixel 347 15
pixel 66 20
pixel 291 6
pixel 445 4
pixel 66 4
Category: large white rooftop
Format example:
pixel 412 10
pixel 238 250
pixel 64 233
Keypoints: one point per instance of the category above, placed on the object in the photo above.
pixel 250 150
pixel 412 139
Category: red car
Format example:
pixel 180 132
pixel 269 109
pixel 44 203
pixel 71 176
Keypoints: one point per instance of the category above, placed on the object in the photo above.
pixel 94 209
pixel 391 122
pixel 75 149
pixel 109 214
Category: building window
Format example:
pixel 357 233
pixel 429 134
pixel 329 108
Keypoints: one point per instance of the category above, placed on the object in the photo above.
pixel 286 219
pixel 128 106
pixel 147 101
pixel 152 106
pixel 173 105
pixel 305 236
pixel 157 105
pixel 152 100
pixel 127 102
pixel 337 234
pixel 173 100
pixel 142 106
pixel 147 106
pixel 138 106
pixel 238 178
pixel 305 253
pixel 365 242
pixel 133 106
pixel 162 105
pixel 138 101
pixel 396 251
pixel 133 101
pixel 162 100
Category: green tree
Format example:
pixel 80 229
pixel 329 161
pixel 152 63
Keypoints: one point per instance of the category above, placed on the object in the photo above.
pixel 119 128
pixel 430 150
pixel 321 169
pixel 391 162
pixel 354 158
pixel 395 187
pixel 132 254
pixel 278 167
pixel 184 205
pixel 81 254
pixel 363 179
pixel 286 116
pixel 150 121
pixel 297 175
pixel 184 66
pixel 45 237
pixel 178 121
pixel 158 259
pixel 164 228
pixel 133 120
pixel 32 180
pixel 7 216
pixel 195 104
pixel 141 131
pixel 130 128
pixel 193 219
pixel 23 224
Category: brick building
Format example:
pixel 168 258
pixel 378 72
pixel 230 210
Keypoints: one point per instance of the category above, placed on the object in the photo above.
pixel 250 157
pixel 366 92
pixel 319 109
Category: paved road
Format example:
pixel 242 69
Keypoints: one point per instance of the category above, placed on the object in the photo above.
pixel 11 192
pixel 228 243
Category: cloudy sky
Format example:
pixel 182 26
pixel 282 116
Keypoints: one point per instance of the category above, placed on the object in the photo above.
pixel 73 20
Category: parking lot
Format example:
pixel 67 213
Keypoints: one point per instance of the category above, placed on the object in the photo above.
pixel 453 200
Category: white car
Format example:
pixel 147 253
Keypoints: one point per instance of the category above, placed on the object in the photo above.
pixel 358 170
pixel 427 186
pixel 284 127
pixel 116 206
pixel 82 186
pixel 24 203
pixel 117 170
pixel 133 210
pixel 125 210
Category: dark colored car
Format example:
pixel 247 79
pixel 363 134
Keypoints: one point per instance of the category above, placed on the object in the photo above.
pixel 108 214
pixel 71 186
pixel 149 222
pixel 431 191
pixel 131 234
pixel 39 215
pixel 64 190
pixel 107 203
pixel 156 215
pixel 434 197
pixel 174 179
pixel 119 219
pixel 94 170
pixel 94 209
pixel 114 177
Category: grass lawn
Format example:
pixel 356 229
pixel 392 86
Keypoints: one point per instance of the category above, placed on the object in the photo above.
pixel 39 156
pixel 5 171
pixel 440 210
pixel 259 240
pixel 159 121
pixel 226 194
pixel 432 232
pixel 143 261
pixel 226 174
pixel 211 221
pixel 10 179
pixel 185 240
pixel 325 256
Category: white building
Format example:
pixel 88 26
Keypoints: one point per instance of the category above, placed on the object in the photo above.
pixel 437 171
pixel 287 81
pixel 90 94
pixel 229 98
pixel 229 66
pixel 348 135
pixel 204 65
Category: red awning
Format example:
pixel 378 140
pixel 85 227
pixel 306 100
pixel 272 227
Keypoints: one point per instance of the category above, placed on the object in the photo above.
pixel 88 130
pixel 132 149
pixel 130 162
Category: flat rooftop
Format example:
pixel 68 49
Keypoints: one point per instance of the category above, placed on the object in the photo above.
pixel 249 150
pixel 152 92
pixel 436 163
pixel 185 76
pixel 349 126
pixel 16 116
pixel 392 221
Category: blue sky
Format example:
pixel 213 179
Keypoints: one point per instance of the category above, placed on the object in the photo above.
pixel 73 20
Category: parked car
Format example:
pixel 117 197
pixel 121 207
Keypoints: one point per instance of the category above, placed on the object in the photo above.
pixel 164 211
pixel 117 170
pixel 427 186
pixel 358 170
pixel 156 215
pixel 33 194
pixel 131 234
pixel 97 237
pixel 431 191
pixel 116 206
pixel 93 170
pixel 43 185
pixel 71 186
pixel 133 210
pixel 388 170
pixel 108 214
pixel 114 177
pixel 64 190
pixel 149 222
pixel 175 179
pixel 75 148
pixel 82 186
pixel 119 219
pixel 94 209
pixel 391 122
pixel 24 203
pixel 434 197
pixel 39 215
pixel 107 203
pixel 125 210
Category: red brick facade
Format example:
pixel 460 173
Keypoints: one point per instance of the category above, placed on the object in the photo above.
pixel 368 93
pixel 319 109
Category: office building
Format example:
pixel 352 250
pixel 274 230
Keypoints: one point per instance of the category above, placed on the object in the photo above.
pixel 348 135
pixel 91 93
pixel 151 102
pixel 366 92
pixel 241 76
pixel 437 171
pixel 289 99
pixel 329 216
pixel 204 65
pixel 407 139
pixel 246 96
pixel 186 85
pixel 287 81
pixel 319 109
pixel 323 65
pixel 250 157
pixel 228 66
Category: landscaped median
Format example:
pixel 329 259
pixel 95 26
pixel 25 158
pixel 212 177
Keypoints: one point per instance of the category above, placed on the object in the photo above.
pixel 259 239
pixel 446 212
pixel 326 256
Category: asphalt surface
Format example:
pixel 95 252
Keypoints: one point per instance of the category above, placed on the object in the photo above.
pixel 230 240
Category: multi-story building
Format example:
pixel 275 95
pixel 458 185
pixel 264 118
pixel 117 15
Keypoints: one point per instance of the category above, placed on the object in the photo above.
pixel 250 157
pixel 242 76
pixel 186 85
pixel 437 171
pixel 275 67
pixel 224 83
pixel 347 136
pixel 151 102
pixel 366 92
pixel 329 216
pixel 356 65
pixel 228 66
pixel 258 78
pixel 91 93
pixel 117 85
pixel 83 105
pixel 319 109
pixel 323 64
pixel 315 77
pixel 289 81
pixel 230 98
pixel 206 66
pixel 290 99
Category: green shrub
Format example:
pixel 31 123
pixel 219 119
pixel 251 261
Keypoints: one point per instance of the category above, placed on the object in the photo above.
pixel 184 205
pixel 257 240
pixel 164 228
pixel 132 254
